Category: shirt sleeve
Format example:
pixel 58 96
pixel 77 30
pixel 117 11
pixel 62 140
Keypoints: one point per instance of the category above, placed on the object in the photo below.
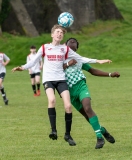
pixel 32 62
pixel 86 66
pixel 74 55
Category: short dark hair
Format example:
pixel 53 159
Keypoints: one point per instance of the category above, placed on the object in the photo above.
pixel 33 47
pixel 75 40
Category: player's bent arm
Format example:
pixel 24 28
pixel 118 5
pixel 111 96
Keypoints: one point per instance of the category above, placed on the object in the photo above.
pixel 65 66
pixel 6 62
pixel 69 63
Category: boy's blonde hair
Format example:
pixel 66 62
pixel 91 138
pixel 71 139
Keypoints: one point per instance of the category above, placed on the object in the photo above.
pixel 57 26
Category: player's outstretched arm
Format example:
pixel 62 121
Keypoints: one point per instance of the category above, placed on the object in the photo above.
pixel 74 55
pixel 103 61
pixel 100 73
pixel 31 63
pixel 17 69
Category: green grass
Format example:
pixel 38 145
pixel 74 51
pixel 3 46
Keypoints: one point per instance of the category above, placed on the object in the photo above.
pixel 25 126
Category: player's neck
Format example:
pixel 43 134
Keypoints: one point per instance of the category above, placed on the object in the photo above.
pixel 55 43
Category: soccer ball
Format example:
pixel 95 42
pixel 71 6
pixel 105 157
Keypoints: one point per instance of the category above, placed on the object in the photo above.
pixel 65 19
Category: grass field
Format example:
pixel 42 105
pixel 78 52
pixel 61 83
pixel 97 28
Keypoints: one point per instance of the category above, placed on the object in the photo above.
pixel 25 127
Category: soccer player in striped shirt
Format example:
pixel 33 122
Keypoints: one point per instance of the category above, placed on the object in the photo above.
pixel 80 95
pixel 4 60
pixel 54 78
pixel 35 71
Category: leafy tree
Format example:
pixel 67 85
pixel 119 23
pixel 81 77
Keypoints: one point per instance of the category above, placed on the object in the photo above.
pixel 4 11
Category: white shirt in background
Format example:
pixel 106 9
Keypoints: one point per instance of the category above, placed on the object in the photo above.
pixel 3 58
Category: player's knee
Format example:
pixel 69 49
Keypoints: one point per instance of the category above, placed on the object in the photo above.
pixel 89 111
pixel 37 82
pixel 52 102
pixel 68 108
pixel 1 87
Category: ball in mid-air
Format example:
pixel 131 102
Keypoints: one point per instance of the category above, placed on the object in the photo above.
pixel 65 19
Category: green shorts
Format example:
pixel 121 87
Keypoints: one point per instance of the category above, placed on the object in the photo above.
pixel 78 92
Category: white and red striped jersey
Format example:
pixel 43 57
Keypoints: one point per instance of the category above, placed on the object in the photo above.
pixel 36 67
pixel 3 58
pixel 54 57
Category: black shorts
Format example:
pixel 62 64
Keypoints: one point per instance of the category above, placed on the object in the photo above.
pixel 2 75
pixel 60 86
pixel 34 74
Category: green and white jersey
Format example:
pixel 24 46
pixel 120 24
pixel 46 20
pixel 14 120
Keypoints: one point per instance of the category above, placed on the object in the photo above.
pixel 74 73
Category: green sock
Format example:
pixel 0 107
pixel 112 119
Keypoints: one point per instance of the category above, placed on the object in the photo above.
pixel 95 124
pixel 102 129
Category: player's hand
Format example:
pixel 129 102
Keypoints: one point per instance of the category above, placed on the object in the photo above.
pixel 104 61
pixel 17 69
pixel 72 62
pixel 115 74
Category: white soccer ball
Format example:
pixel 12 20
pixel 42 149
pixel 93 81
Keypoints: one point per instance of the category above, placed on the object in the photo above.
pixel 65 19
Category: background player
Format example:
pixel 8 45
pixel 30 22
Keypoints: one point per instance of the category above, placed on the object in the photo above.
pixel 4 60
pixel 80 95
pixel 35 71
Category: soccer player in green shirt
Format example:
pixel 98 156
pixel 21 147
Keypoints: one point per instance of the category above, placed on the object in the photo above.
pixel 80 96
